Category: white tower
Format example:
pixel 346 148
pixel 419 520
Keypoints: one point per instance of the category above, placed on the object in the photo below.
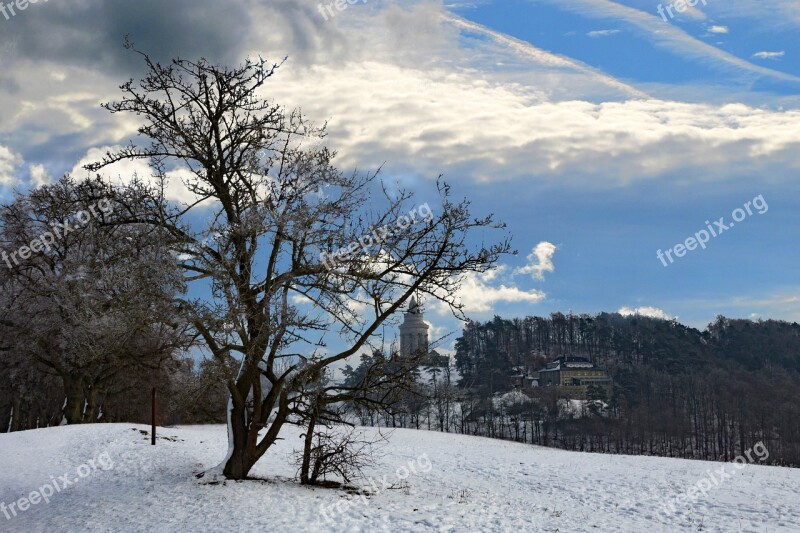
pixel 413 331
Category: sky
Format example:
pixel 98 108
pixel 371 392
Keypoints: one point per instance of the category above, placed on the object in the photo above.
pixel 611 139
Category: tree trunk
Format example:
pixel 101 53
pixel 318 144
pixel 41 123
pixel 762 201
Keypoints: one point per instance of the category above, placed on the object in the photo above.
pixel 307 447
pixel 241 460
pixel 15 413
pixel 90 416
pixel 73 388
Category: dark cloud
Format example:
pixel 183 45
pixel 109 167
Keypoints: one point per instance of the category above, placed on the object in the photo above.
pixel 90 33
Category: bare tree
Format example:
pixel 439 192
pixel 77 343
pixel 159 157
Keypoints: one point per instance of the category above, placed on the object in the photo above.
pixel 295 250
pixel 199 397
pixel 28 397
pixel 342 451
pixel 380 383
pixel 94 300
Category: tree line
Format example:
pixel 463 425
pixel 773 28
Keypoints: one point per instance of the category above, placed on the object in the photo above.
pixel 91 321
pixel 678 392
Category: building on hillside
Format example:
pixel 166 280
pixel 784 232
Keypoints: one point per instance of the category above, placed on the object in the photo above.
pixel 573 376
pixel 414 337
pixel 524 380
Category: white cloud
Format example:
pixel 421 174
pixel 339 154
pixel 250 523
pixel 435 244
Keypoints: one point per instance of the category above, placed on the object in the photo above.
pixel 437 333
pixel 769 55
pixel 300 299
pixel 9 161
pixel 481 292
pixel 421 85
pixel 38 175
pixel 523 135
pixel 693 13
pixel 780 14
pixel 718 29
pixel 653 312
pixel 669 36
pixel 540 260
pixel 602 33
pixel 478 296
pixel 784 304
pixel 124 171
pixel 569 68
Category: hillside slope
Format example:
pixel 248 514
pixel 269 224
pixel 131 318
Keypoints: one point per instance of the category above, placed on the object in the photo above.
pixel 426 481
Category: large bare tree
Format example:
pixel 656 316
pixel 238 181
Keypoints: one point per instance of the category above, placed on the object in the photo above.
pixel 294 252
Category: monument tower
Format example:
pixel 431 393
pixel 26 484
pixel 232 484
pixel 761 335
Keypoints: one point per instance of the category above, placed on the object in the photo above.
pixel 413 331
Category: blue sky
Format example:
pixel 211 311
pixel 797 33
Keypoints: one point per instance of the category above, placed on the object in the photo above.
pixel 599 132
pixel 607 240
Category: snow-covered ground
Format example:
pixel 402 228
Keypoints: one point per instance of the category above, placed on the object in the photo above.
pixel 426 481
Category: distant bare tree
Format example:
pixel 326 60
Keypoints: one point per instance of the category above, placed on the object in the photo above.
pixel 199 397
pixel 28 398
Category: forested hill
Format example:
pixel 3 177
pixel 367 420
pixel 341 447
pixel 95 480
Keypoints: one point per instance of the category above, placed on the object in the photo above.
pixel 617 341
pixel 677 390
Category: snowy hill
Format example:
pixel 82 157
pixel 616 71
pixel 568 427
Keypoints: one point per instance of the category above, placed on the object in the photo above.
pixel 426 481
